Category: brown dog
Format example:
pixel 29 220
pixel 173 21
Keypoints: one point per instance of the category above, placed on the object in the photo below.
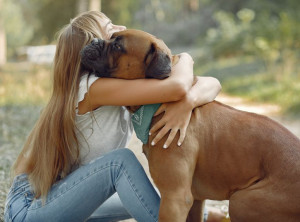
pixel 227 154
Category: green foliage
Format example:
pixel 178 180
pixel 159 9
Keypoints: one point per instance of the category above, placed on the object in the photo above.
pixel 121 13
pixel 228 37
pixel 271 33
pixel 52 15
pixel 252 32
pixel 250 78
pixel 23 84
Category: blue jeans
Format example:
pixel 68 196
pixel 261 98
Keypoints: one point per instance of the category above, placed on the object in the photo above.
pixel 80 196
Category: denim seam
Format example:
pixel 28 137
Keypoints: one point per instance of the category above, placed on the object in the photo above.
pixel 76 183
pixel 142 203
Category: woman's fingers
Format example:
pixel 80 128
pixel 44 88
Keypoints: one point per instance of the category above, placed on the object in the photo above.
pixel 171 123
pixel 157 126
pixel 160 135
pixel 181 137
pixel 170 138
pixel 160 110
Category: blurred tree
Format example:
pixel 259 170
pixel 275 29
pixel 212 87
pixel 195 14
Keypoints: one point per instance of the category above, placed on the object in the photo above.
pixel 50 21
pixel 52 16
pixel 192 5
pixel 95 5
pixel 17 31
pixel 269 30
pixel 84 5
pixel 2 38
pixel 121 12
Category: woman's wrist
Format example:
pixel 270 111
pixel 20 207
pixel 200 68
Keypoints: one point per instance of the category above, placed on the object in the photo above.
pixel 190 100
pixel 204 90
pixel 213 88
pixel 182 72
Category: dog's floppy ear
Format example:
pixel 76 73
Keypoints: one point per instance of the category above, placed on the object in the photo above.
pixel 88 56
pixel 160 63
pixel 93 61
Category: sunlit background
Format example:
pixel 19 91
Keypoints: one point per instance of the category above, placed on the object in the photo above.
pixel 251 46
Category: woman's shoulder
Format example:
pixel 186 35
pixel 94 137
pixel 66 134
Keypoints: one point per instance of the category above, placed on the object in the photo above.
pixel 86 81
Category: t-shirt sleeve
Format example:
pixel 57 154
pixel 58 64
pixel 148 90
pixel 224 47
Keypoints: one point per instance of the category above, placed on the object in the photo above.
pixel 85 83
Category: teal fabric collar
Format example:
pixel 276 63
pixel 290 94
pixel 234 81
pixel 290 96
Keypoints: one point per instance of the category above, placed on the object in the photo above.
pixel 141 121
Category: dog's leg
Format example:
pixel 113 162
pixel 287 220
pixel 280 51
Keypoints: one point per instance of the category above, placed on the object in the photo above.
pixel 175 205
pixel 262 202
pixel 196 212
pixel 172 170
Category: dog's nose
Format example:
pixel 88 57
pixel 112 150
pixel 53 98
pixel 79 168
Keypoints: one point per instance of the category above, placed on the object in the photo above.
pixel 159 67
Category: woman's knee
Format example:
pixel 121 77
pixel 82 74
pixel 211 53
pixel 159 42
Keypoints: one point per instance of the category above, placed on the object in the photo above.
pixel 122 154
pixel 120 157
pixel 127 158
pixel 126 154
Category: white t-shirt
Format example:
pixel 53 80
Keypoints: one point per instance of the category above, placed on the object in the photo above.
pixel 102 130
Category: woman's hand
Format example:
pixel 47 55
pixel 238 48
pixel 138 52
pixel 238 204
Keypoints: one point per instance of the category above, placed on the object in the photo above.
pixel 176 118
pixel 177 114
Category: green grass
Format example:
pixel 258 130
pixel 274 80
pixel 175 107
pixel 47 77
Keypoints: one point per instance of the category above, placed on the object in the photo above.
pixel 24 84
pixel 249 78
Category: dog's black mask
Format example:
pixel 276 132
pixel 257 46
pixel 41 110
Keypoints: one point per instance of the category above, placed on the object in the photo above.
pixel 91 56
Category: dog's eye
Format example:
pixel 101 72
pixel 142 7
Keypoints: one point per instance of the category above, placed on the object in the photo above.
pixel 118 38
pixel 117 47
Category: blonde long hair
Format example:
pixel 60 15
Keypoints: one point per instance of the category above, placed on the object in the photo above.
pixel 52 147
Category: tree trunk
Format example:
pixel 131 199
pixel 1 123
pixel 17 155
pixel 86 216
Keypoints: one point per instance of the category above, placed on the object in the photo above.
pixel 82 6
pixel 85 5
pixel 95 5
pixel 2 41
pixel 192 5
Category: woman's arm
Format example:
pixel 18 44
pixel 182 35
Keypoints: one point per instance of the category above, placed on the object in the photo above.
pixel 120 92
pixel 204 90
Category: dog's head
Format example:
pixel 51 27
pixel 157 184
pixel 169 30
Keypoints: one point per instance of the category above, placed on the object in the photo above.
pixel 129 54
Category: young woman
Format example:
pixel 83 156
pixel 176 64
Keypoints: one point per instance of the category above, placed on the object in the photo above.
pixel 74 160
